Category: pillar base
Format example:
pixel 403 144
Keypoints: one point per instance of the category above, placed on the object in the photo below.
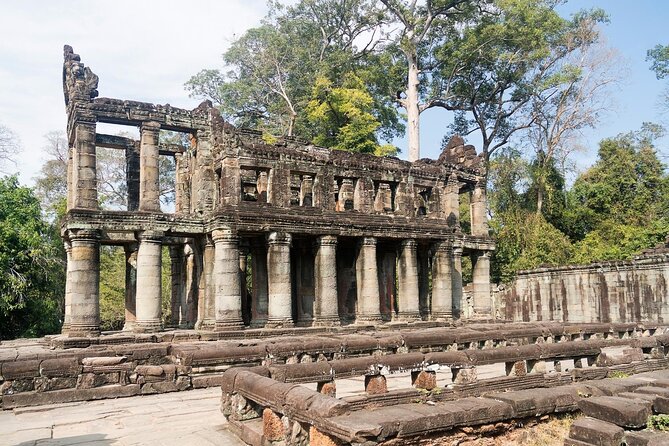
pixel 279 323
pixel 228 325
pixel 205 325
pixel 147 326
pixel 409 316
pixel 441 316
pixel 129 326
pixel 369 318
pixel 82 331
pixel 258 323
pixel 326 321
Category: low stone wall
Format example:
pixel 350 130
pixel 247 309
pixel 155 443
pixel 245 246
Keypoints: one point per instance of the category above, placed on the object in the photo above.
pixel 32 373
pixel 624 291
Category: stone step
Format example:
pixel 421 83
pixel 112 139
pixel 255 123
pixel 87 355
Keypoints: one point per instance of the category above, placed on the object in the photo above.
pixel 628 413
pixel 596 432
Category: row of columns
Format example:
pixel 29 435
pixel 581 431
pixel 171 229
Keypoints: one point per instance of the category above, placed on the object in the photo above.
pixel 224 266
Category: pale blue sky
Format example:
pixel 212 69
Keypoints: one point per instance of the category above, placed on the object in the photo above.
pixel 146 50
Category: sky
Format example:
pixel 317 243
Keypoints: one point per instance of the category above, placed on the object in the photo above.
pixel 146 50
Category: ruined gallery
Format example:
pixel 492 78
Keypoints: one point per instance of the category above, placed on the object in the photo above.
pixel 319 294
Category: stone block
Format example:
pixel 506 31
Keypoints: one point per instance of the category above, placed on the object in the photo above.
pixel 621 411
pixel 60 367
pixel 518 368
pixel 272 426
pixel 103 360
pixel 328 388
pixel 596 432
pixel 58 383
pixel 647 438
pixel 464 375
pixel 318 438
pixel 90 380
pixel 660 397
pixel 424 379
pixel 209 380
pixel 150 370
pixel 20 369
pixel 375 384
pixel 68 395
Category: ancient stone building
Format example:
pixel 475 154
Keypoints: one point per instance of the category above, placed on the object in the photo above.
pixel 266 235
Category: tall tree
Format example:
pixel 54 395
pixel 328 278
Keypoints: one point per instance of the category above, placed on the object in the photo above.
pixel 422 27
pixel 521 53
pixel 9 144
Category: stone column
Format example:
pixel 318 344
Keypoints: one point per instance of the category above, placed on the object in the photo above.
pixel 149 284
pixel 408 282
pixel 279 283
pixel 149 188
pixel 481 297
pixel 477 209
pixel 424 281
pixel 206 301
pixel 260 298
pixel 132 170
pixel 456 272
pixel 85 169
pixel 83 283
pixel 326 307
pixel 368 308
pixel 130 286
pixel 177 285
pixel 228 293
pixel 442 282
pixel 68 298
pixel 246 299
pixel 452 202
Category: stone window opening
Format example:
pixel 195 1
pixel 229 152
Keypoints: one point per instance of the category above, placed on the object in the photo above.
pixel 344 195
pixel 302 189
pixel 254 184
pixel 171 144
pixel 422 201
pixel 384 196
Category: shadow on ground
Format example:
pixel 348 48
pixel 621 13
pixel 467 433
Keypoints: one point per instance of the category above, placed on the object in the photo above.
pixel 89 439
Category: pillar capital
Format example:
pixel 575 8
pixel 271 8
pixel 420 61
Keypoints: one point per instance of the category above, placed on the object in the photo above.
pixel 279 238
pixel 83 235
pixel 444 246
pixel 224 236
pixel 150 126
pixel 409 243
pixel 368 241
pixel 327 240
pixel 457 251
pixel 150 236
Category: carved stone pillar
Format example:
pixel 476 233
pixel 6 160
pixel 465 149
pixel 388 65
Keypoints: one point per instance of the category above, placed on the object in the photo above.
pixel 456 271
pixel 424 281
pixel 68 298
pixel 481 296
pixel 177 286
pixel 279 283
pixel 326 309
pixel 149 283
pixel 228 295
pixel 452 202
pixel 206 292
pixel 368 282
pixel 260 300
pixel 407 271
pixel 132 169
pixel 84 171
pixel 243 267
pixel 149 187
pixel 478 211
pixel 130 286
pixel 442 282
pixel 83 283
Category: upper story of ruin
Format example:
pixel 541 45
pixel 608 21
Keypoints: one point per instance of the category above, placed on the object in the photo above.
pixel 232 177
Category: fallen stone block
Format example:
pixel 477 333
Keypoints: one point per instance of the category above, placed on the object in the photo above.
pixel 647 438
pixel 621 411
pixel 596 432
pixel 20 369
pixel 103 360
pixel 68 395
pixel 60 367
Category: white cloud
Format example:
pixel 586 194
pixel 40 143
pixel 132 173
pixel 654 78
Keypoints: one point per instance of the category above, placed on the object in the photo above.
pixel 140 49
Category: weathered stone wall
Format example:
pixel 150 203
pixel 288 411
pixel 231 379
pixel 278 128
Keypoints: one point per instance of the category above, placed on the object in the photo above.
pixel 623 291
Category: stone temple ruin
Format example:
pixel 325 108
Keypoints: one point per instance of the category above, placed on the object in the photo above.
pixel 329 237
pixel 326 293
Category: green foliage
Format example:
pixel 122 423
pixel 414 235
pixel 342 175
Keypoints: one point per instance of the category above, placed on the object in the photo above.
pixel 342 118
pixel 31 265
pixel 618 374
pixel 659 422
pixel 112 287
pixel 659 58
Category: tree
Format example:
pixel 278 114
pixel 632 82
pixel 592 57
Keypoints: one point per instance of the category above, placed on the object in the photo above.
pixel 659 58
pixel 9 144
pixel 51 183
pixel 31 265
pixel 273 68
pixel 421 28
pixel 342 116
pixel 511 63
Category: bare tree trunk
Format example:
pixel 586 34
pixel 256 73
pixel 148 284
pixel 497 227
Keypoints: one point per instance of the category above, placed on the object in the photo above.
pixel 540 199
pixel 412 108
